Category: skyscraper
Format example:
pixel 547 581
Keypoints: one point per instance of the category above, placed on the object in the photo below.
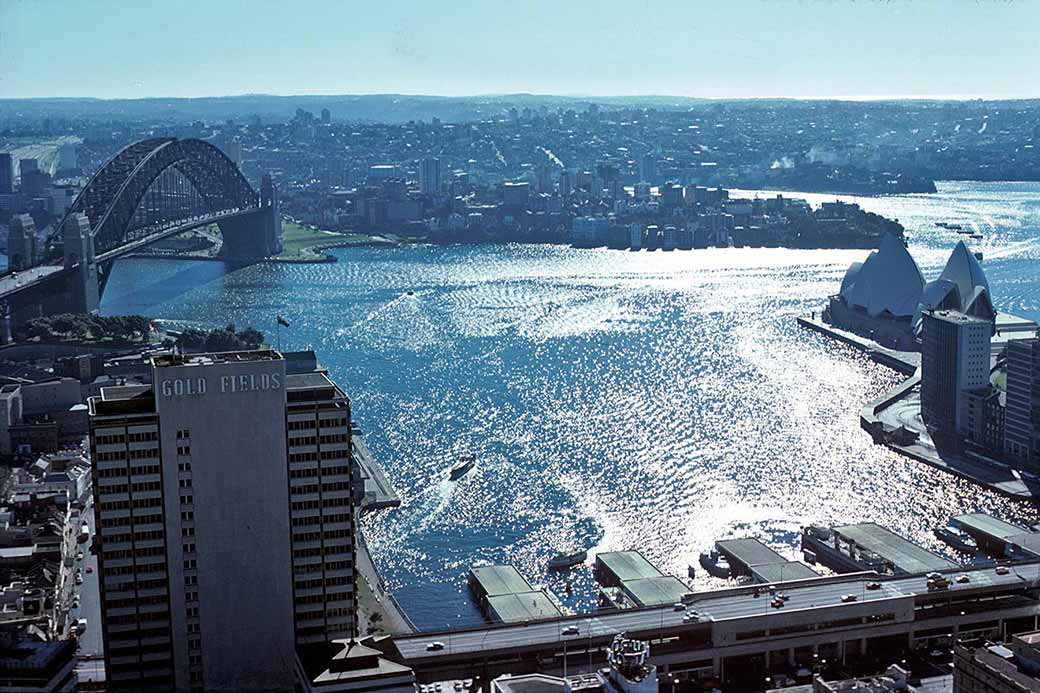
pixel 648 168
pixel 21 242
pixel 954 358
pixel 430 176
pixel 6 174
pixel 1022 417
pixel 225 513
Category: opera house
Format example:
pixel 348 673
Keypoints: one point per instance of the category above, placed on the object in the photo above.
pixel 883 297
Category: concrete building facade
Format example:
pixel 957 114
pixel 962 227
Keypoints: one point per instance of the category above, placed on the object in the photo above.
pixel 1022 416
pixel 224 501
pixel 955 357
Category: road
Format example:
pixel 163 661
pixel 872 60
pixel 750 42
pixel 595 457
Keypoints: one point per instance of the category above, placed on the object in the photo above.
pixel 90 643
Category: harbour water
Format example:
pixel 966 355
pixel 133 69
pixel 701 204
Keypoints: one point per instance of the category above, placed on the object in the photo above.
pixel 614 400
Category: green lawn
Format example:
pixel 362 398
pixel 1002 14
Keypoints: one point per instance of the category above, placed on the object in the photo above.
pixel 298 238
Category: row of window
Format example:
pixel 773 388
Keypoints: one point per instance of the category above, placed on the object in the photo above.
pixel 324 440
pixel 136 552
pixel 314 488
pixel 131 570
pixel 295 457
pixel 131 585
pixel 305 568
pixel 107 506
pixel 318 550
pixel 323 582
pixel 329 534
pixel 324 503
pixel 309 423
pixel 135 487
pixel 133 536
pixel 107 522
pixel 335 518
pixel 134 601
pixel 313 471
pixel 122 455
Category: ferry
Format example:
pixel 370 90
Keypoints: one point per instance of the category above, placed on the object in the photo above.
pixel 459 469
pixel 562 561
pixel 716 564
pixel 956 538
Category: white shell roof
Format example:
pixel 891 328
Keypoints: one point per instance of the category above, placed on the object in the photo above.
pixel 889 280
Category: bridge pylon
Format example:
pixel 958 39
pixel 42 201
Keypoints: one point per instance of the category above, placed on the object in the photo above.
pixel 84 293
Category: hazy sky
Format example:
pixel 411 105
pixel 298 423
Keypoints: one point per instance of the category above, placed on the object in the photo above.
pixel 714 48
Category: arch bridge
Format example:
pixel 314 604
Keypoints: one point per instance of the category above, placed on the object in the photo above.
pixel 150 190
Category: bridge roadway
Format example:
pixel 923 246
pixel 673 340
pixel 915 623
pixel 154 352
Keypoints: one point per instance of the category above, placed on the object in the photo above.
pixel 19 281
pixel 721 605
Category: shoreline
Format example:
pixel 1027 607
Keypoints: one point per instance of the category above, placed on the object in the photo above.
pixel 890 432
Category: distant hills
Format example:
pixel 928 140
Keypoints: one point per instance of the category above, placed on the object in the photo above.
pixel 390 108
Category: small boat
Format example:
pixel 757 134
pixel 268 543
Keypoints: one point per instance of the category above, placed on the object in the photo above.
pixel 459 469
pixel 716 564
pixel 956 538
pixel 411 293
pixel 976 236
pixel 562 561
pixel 954 227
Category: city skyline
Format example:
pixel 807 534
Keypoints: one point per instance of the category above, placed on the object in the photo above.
pixel 775 50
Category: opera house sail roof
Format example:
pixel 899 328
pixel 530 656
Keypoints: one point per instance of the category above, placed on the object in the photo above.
pixel 889 281
pixel 962 286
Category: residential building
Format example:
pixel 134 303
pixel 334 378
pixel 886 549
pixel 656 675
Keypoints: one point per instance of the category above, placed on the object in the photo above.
pixel 955 357
pixel 248 463
pixel 430 176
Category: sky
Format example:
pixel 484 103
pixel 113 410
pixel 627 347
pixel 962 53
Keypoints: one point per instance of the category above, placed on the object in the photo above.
pixel 855 49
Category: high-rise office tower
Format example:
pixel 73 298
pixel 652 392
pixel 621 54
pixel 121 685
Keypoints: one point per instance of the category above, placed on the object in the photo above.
pixel 430 176
pixel 21 242
pixel 955 355
pixel 225 513
pixel 648 168
pixel 6 174
pixel 1022 416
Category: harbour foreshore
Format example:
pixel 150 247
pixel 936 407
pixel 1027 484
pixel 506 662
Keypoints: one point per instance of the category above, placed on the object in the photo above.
pixel 893 420
pixel 380 611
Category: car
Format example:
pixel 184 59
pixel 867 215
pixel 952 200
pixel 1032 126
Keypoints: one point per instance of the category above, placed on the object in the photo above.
pixel 938 583
pixel 90 569
pixel 784 596
pixel 848 598
pixel 689 617
pixel 75 603
pixel 79 555
pixel 933 576
pixel 777 603
pixel 81 626
pixel 873 585
pixel 435 646
pixel 1002 570
pixel 79 579
pixel 678 606
pixel 962 578
pixel 570 630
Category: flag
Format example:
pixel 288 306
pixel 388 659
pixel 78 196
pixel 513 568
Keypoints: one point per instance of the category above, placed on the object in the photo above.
pixel 283 321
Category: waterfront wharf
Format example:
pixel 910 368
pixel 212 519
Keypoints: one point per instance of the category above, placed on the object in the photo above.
pixel 868 545
pixel 506 597
pixel 997 537
pixel 627 579
pixel 749 556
